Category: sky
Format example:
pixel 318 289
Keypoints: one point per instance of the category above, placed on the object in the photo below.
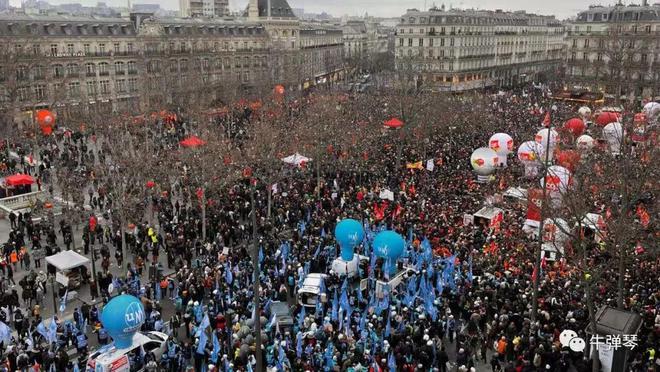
pixel 562 9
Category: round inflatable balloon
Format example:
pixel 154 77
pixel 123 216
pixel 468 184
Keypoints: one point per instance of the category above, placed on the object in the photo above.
pixel 389 245
pixel 585 142
pixel 502 144
pixel 45 117
pixel 584 112
pixel 558 179
pixel 652 112
pixel 607 117
pixel 542 138
pixel 484 160
pixel 348 233
pixel 528 154
pixel 568 159
pixel 613 134
pixel 122 317
pixel 575 126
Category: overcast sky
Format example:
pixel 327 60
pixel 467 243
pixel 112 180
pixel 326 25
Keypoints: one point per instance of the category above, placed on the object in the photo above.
pixel 389 8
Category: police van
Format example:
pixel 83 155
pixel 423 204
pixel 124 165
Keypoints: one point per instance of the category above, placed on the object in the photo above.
pixel 110 359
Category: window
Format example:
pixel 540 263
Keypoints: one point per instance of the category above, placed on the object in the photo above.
pixel 58 71
pixel 74 89
pixel 69 49
pixel 409 42
pixel 119 68
pixel 53 49
pixel 40 92
pixel 103 69
pixel 91 69
pixel 442 42
pixel 132 85
pixel 101 48
pixel 451 42
pixel 72 70
pixel 86 49
pixel 599 57
pixel 116 48
pixel 586 43
pixel 23 94
pixel 573 56
pixel 38 72
pixel 36 49
pixel 647 29
pixel 401 42
pixel 132 68
pixel 183 64
pixel 421 42
pixel 120 86
pixel 129 47
pixel 644 58
pixel 431 42
pixel 574 43
pixel 105 86
pixel 91 88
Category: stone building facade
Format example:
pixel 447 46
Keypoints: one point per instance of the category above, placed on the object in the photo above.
pixel 616 49
pixel 455 49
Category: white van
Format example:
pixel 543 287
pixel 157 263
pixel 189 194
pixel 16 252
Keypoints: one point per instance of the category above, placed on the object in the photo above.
pixel 310 292
pixel 110 359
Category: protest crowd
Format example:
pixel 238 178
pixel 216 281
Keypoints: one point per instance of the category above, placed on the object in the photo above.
pixel 464 305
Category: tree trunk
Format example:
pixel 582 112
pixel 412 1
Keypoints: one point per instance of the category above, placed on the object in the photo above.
pixel 255 273
pixel 620 281
pixel 590 306
pixel 270 200
pixel 318 178
pixel 203 201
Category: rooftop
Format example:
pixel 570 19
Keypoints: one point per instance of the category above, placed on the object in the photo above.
pixel 621 13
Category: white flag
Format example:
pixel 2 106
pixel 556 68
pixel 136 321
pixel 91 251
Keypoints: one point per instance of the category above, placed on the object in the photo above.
pixel 430 165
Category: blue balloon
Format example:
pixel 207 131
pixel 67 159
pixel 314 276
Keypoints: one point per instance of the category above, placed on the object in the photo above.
pixel 389 245
pixel 122 317
pixel 348 233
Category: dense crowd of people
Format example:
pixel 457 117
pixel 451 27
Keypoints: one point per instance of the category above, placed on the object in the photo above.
pixel 466 306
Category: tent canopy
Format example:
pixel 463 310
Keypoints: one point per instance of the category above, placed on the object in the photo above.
pixel 67 260
pixel 296 159
pixel 19 180
pixel 488 212
pixel 192 141
pixel 393 123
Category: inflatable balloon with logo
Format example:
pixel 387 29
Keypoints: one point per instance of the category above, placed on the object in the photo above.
pixel 528 154
pixel 349 233
pixel 122 317
pixel 585 142
pixel 484 160
pixel 613 134
pixel 542 138
pixel 389 245
pixel 502 144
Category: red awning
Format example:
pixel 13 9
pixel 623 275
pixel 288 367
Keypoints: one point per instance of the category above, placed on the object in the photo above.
pixel 393 123
pixel 19 180
pixel 192 141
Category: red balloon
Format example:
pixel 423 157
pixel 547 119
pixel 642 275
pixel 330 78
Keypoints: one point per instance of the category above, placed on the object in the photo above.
pixel 575 126
pixel 607 117
pixel 568 159
pixel 45 117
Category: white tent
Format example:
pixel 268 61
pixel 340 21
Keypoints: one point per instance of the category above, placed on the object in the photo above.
pixel 296 159
pixel 67 260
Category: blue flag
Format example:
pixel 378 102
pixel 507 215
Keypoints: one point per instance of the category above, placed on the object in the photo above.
pixel 158 294
pixel 5 334
pixel 229 276
pixel 388 327
pixel 261 255
pixel 470 277
pixel 335 307
pixel 391 362
pixel 203 325
pixel 202 343
pixel 299 342
pixel 52 331
pixel 63 301
pixel 216 349
pixel 301 317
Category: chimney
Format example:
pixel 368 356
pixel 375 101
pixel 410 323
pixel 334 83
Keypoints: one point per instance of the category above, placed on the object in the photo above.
pixel 268 9
pixel 253 10
pixel 645 2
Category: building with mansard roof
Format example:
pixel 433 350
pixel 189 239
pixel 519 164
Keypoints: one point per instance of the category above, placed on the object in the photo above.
pixel 455 49
pixel 616 49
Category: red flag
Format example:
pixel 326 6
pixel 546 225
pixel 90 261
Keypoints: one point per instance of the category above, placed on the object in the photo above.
pixel 546 119
pixel 92 223
pixel 534 274
pixel 199 193
pixel 534 201
pixel 247 172
pixel 643 215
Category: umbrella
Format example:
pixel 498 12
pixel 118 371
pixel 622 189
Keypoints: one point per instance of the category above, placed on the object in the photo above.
pixel 393 123
pixel 192 141
pixel 296 159
pixel 19 180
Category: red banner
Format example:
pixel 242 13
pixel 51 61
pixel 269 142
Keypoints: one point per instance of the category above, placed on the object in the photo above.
pixel 534 201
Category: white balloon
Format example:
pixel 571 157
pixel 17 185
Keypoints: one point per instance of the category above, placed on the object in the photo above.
pixel 542 138
pixel 558 179
pixel 613 134
pixel 584 112
pixel 585 142
pixel 529 154
pixel 483 161
pixel 502 144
